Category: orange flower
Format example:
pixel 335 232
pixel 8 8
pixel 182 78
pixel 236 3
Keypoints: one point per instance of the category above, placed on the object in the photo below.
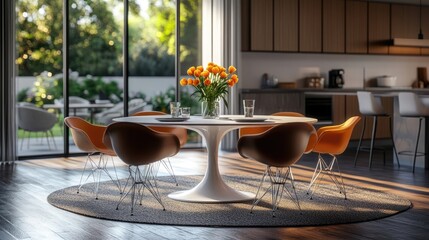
pixel 196 82
pixel 207 82
pixel 230 83
pixel 209 68
pixel 190 81
pixel 205 74
pixel 210 64
pixel 236 80
pixel 232 69
pixel 223 74
pixel 201 68
pixel 222 69
pixel 215 70
pixel 183 82
pixel 234 77
pixel 191 71
pixel 197 73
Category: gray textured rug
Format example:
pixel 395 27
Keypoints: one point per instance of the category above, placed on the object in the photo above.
pixel 327 207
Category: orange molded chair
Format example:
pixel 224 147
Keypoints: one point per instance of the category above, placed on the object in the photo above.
pixel 257 130
pixel 181 133
pixel 333 141
pixel 89 138
pixel 138 145
pixel 278 148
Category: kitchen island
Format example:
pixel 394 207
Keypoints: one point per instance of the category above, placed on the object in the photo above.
pixel 335 105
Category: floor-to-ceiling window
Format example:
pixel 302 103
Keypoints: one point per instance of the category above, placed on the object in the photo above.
pixel 95 64
pixel 39 76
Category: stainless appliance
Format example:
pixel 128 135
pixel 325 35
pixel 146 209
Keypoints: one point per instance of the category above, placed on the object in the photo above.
pixel 336 78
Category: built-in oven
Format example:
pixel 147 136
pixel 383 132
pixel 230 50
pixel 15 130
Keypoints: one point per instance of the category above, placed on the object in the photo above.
pixel 319 106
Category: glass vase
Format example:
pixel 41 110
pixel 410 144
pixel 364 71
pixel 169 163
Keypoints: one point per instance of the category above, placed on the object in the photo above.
pixel 210 109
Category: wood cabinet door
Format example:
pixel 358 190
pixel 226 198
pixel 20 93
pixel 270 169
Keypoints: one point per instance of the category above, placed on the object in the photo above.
pixel 425 28
pixel 261 25
pixel 333 26
pixel 310 25
pixel 245 25
pixel 356 26
pixel 378 28
pixel 286 25
pixel 405 24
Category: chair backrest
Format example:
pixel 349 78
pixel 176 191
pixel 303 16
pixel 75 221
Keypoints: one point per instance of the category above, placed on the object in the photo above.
pixel 369 105
pixel 410 105
pixel 181 133
pixel 335 139
pixel 87 137
pixel 257 130
pixel 136 144
pixel 280 146
pixel 34 119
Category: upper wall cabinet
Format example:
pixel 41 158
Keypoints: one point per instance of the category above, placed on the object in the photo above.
pixel 405 24
pixel 378 28
pixel 356 26
pixel 425 27
pixel 310 26
pixel 261 25
pixel 333 26
pixel 286 25
pixel 245 25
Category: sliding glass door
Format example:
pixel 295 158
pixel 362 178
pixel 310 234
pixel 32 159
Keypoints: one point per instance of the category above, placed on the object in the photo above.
pixel 96 44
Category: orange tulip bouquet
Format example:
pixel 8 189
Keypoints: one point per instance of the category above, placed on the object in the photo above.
pixel 211 85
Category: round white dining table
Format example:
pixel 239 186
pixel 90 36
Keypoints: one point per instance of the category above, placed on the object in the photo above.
pixel 212 188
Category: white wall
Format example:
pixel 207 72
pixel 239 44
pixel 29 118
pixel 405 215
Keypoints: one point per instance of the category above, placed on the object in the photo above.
pixel 293 67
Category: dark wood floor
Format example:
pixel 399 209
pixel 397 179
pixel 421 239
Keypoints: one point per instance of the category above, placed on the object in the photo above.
pixel 25 213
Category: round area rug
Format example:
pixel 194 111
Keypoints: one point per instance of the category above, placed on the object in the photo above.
pixel 328 206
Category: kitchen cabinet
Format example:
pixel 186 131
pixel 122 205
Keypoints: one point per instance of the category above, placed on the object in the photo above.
pixel 333 26
pixel 405 24
pixel 356 27
pixel 245 25
pixel 286 25
pixel 425 28
pixel 310 26
pixel 378 28
pixel 267 103
pixel 261 25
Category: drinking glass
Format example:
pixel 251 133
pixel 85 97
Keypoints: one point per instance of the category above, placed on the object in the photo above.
pixel 249 107
pixel 186 112
pixel 175 109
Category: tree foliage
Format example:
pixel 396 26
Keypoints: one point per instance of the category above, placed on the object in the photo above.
pixel 96 34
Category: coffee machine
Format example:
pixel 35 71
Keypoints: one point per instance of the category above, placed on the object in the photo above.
pixel 336 78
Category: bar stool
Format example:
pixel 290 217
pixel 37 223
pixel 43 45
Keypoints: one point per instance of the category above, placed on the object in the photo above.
pixel 369 106
pixel 410 105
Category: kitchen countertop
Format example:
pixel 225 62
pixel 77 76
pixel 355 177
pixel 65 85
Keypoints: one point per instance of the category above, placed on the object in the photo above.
pixel 335 91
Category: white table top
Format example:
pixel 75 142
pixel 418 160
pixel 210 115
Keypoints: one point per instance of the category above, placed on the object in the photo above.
pixel 223 120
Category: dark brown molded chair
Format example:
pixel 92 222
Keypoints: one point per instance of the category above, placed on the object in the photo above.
pixel 137 146
pixel 89 138
pixel 257 130
pixel 278 148
pixel 181 133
